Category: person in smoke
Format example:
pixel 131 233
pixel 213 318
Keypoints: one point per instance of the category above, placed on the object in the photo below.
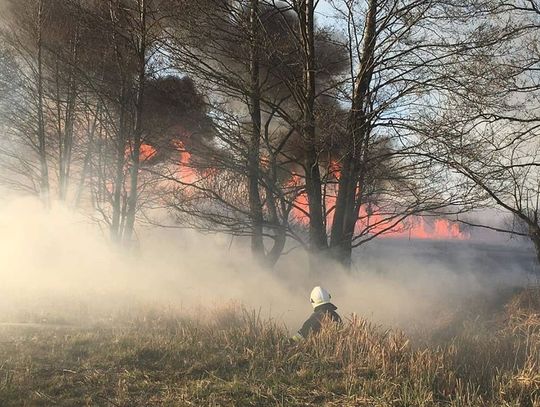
pixel 323 310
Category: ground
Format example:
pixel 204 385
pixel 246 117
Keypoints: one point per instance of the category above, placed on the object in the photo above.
pixel 233 358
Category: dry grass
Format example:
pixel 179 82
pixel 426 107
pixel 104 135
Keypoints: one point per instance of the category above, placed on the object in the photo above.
pixel 234 358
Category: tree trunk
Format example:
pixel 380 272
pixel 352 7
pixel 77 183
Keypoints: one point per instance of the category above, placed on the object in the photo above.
pixel 279 229
pixel 137 133
pixel 534 234
pixel 87 158
pixel 119 173
pixel 317 221
pixel 255 206
pixel 280 238
pixel 339 243
pixel 351 180
pixel 65 164
pixel 42 149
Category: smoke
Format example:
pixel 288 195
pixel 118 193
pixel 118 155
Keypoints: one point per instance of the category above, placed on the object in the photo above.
pixel 57 266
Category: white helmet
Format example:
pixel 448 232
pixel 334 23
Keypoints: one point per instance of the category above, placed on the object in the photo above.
pixel 319 296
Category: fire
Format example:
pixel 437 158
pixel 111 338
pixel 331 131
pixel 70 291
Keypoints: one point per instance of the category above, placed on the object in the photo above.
pixel 371 218
pixel 418 227
pixel 184 171
pixel 414 227
pixel 146 152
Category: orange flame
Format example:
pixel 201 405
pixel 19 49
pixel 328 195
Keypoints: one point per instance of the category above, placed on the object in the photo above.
pixel 414 227
pixel 184 171
pixel 146 152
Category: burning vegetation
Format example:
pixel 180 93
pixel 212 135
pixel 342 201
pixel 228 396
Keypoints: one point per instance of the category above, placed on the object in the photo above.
pixel 222 115
pixel 297 133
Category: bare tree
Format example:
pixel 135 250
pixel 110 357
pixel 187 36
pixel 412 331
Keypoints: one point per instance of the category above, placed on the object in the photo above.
pixel 251 118
pixel 29 39
pixel 78 102
pixel 487 132
pixel 397 63
pixel 245 124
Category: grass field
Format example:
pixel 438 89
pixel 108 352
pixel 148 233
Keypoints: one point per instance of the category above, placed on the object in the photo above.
pixel 234 358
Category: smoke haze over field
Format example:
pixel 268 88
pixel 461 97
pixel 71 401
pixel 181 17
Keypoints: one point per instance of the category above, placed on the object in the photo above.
pixel 58 263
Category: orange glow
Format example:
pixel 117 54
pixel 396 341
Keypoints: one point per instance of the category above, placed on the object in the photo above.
pixel 146 152
pixel 184 154
pixel 334 169
pixel 300 208
pixel 413 227
pixel 371 219
pixel 185 172
pixel 418 227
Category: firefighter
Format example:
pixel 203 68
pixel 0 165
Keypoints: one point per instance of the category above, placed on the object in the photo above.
pixel 322 308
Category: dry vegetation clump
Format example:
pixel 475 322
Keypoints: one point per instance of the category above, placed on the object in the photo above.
pixel 522 324
pixel 236 358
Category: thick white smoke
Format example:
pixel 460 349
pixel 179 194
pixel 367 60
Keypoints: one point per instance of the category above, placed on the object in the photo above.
pixel 56 265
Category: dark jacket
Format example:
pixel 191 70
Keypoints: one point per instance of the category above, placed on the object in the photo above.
pixel 314 322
